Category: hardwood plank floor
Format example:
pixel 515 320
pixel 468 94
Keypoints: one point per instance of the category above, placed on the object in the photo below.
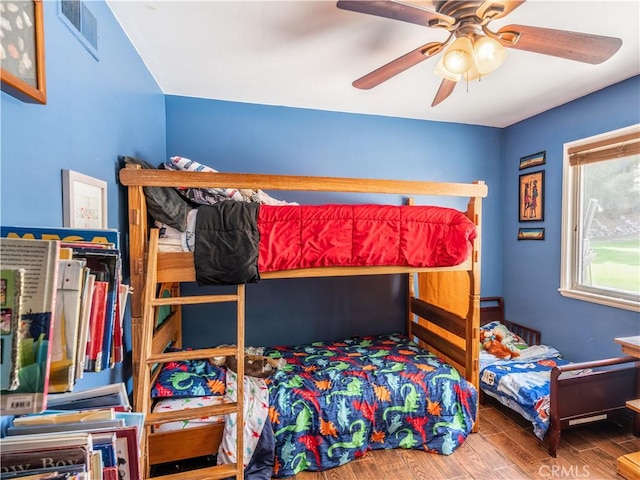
pixel 504 448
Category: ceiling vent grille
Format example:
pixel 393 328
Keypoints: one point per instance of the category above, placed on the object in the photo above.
pixel 75 15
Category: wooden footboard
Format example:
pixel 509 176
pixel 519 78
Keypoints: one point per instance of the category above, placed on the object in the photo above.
pixel 592 396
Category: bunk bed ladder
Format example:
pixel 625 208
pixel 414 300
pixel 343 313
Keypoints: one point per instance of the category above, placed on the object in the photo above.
pixel 148 360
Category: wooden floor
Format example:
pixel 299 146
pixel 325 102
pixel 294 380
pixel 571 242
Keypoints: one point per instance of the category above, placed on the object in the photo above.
pixel 504 448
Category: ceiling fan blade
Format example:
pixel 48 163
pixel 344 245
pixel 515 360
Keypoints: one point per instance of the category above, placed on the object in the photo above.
pixel 398 65
pixel 582 47
pixel 397 11
pixel 495 9
pixel 446 88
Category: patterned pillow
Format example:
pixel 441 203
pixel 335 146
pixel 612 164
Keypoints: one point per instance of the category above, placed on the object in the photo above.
pixel 209 196
pixel 189 378
pixel 511 340
pixel 202 196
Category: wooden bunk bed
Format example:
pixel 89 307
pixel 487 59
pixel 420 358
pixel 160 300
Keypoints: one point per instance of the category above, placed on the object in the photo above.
pixel 443 315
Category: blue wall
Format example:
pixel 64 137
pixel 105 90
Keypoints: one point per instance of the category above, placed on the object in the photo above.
pixel 236 137
pixel 99 110
pixel 531 269
pixel 95 111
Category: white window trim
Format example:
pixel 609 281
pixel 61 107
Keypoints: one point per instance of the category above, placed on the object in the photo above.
pixel 569 240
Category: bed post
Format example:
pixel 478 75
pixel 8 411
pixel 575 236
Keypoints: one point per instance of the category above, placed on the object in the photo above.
pixel 137 242
pixel 411 293
pixel 474 211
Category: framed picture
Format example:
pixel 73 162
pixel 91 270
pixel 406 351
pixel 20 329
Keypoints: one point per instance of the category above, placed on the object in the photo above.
pixel 22 66
pixel 84 201
pixel 531 196
pixel 531 233
pixel 533 160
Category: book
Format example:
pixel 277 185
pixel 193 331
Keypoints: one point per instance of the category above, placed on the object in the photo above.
pixel 105 396
pixel 62 417
pixel 128 453
pixel 11 282
pixel 106 264
pixel 105 443
pixel 64 342
pixel 46 442
pixel 35 454
pixel 93 357
pixel 63 472
pixel 39 259
pixel 83 331
pixel 83 426
pixel 64 234
pixel 37 459
pixel 118 330
pixel 96 466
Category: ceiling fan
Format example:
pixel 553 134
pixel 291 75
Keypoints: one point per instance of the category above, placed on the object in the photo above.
pixel 473 49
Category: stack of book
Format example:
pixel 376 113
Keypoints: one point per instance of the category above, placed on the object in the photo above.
pixel 87 310
pixel 88 435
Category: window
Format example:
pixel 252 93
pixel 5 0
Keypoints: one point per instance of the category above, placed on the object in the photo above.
pixel 601 219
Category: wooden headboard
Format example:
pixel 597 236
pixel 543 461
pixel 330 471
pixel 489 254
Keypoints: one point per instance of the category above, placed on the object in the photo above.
pixel 492 309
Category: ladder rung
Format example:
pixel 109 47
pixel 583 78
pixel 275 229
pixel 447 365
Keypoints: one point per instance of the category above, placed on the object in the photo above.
pixel 208 473
pixel 191 355
pixel 191 413
pixel 193 300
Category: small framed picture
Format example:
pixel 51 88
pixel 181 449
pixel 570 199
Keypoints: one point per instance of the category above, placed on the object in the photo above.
pixel 531 233
pixel 531 197
pixel 533 160
pixel 22 45
pixel 84 201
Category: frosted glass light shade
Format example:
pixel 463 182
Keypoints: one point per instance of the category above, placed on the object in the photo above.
pixel 459 56
pixel 488 54
pixel 442 71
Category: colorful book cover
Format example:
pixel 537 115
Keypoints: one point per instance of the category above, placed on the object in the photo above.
pixel 67 321
pixel 11 283
pixel 113 395
pixel 39 259
pixel 93 358
pixel 64 234
pixel 83 333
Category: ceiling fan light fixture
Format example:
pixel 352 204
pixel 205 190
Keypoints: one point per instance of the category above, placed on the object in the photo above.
pixel 459 56
pixel 488 54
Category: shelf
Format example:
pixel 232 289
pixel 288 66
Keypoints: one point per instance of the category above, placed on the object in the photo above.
pixel 629 466
pixel 634 405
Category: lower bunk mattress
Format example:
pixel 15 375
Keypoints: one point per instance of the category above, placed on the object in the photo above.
pixel 330 403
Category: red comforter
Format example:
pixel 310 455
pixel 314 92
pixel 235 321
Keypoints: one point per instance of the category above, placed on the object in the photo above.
pixel 362 235
pixel 236 241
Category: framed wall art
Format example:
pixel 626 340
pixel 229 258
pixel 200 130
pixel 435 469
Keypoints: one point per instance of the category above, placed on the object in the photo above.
pixel 84 201
pixel 531 197
pixel 533 160
pixel 531 233
pixel 22 69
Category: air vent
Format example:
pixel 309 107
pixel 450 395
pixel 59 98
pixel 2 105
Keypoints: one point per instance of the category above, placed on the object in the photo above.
pixel 75 15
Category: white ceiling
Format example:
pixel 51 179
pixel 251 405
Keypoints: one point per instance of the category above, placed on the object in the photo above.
pixel 306 54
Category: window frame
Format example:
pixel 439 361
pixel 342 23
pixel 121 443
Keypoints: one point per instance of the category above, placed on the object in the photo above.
pixel 570 242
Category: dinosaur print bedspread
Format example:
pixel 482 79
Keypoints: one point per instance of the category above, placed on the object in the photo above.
pixel 335 401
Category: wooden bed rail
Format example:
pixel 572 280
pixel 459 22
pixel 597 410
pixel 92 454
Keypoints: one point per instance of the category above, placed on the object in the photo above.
pixel 135 176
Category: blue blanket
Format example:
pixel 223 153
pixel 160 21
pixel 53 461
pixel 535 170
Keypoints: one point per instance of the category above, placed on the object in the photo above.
pixel 524 385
